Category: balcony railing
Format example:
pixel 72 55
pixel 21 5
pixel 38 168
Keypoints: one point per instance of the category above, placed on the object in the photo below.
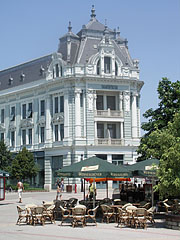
pixel 109 141
pixel 108 113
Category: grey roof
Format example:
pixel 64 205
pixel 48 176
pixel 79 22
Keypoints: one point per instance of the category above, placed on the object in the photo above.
pixel 83 46
pixel 32 71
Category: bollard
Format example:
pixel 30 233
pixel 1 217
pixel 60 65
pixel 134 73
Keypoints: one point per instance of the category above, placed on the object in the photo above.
pixel 75 188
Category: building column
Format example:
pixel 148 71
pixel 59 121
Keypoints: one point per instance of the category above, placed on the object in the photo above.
pixel 122 130
pixel 110 183
pixel 120 101
pixel 77 114
pixel 66 115
pixel 95 97
pixel 48 120
pixel 134 115
pixel 47 173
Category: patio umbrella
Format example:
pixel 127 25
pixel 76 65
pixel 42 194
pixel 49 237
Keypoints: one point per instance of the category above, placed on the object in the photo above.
pixel 93 167
pixel 146 168
pixel 4 173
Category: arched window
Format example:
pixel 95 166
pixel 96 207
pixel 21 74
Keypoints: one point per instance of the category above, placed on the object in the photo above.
pixel 107 65
pixel 98 67
pixel 116 69
pixel 57 70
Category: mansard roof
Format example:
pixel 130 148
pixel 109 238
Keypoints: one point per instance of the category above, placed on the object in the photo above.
pixel 24 73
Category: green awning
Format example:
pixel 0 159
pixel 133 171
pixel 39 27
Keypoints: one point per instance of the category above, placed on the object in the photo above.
pixel 146 168
pixel 94 167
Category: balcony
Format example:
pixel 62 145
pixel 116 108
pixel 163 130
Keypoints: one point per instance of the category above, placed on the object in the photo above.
pixel 109 113
pixel 109 141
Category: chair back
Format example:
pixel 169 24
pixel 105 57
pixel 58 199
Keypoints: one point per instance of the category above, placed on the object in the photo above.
pixel 20 210
pixel 106 208
pixel 126 205
pixel 131 209
pixel 78 211
pixel 141 212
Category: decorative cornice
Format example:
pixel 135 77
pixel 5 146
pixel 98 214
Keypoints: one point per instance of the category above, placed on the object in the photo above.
pixel 58 118
pixel 2 127
pixel 26 123
pixel 42 121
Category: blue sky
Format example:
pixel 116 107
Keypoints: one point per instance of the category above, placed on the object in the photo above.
pixel 30 29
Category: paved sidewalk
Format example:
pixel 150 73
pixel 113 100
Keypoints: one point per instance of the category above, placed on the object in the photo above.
pixel 10 231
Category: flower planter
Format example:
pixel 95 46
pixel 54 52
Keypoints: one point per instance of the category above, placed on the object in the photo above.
pixel 172 221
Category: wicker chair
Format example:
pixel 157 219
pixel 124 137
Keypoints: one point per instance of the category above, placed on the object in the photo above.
pixel 78 214
pixel 49 214
pixel 91 214
pixel 108 213
pixel 37 215
pixel 66 215
pixel 123 217
pixel 150 214
pixel 23 214
pixel 140 217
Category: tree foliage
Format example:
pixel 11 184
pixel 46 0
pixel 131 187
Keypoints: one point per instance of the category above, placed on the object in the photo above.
pixel 5 157
pixel 23 165
pixel 169 96
pixel 165 144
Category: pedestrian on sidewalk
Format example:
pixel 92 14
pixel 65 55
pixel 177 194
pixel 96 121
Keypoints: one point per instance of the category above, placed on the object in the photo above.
pixel 20 190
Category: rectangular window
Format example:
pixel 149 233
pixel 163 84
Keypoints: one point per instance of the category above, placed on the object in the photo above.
pixel 111 130
pixel 81 99
pixel 2 115
pixel 100 130
pixel 30 135
pixel 117 159
pixel 2 136
pixel 42 107
pixel 42 134
pixel 12 116
pixel 24 137
pixel 107 64
pixel 56 104
pixel 111 102
pixel 61 103
pixel 24 111
pixel 56 133
pixel 99 102
pixel 62 131
pixel 12 139
pixel 29 114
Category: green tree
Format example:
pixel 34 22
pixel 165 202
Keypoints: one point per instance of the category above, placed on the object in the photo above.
pixel 23 165
pixel 166 144
pixel 5 157
pixel 169 96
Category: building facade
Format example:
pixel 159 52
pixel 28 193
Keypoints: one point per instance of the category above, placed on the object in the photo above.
pixel 80 101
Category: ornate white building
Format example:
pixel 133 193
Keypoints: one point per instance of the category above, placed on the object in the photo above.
pixel 81 101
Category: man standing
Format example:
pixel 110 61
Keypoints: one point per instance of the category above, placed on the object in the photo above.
pixel 20 189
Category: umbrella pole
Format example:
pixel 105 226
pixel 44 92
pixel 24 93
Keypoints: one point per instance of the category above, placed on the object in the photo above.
pixel 106 188
pixel 84 189
pixel 94 193
pixel 152 192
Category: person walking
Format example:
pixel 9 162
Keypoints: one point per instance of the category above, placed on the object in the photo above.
pixel 58 194
pixel 20 190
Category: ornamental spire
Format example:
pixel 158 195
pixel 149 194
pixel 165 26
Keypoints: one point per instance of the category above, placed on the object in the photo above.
pixel 69 27
pixel 93 15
